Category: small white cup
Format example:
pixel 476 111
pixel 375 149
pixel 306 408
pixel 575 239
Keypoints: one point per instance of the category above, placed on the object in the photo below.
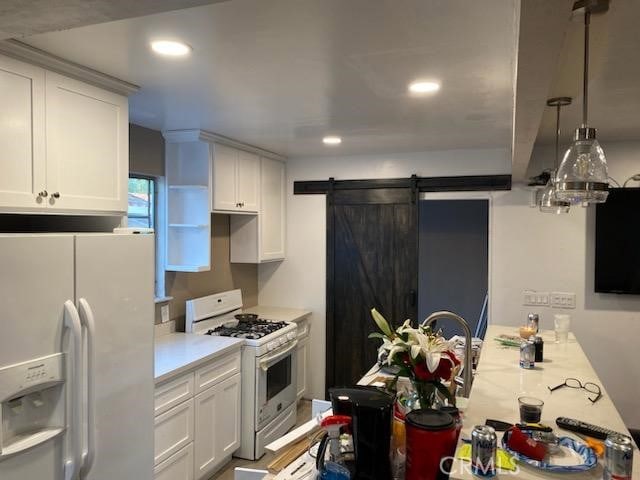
pixel 562 324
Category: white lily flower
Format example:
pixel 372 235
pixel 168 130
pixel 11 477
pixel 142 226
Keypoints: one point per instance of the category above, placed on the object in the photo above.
pixel 382 323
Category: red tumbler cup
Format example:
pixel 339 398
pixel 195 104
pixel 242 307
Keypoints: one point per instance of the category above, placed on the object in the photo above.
pixel 431 441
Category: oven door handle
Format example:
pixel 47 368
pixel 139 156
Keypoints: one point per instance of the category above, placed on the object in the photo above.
pixel 266 362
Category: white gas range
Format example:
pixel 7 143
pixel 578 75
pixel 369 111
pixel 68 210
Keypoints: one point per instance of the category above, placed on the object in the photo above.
pixel 268 367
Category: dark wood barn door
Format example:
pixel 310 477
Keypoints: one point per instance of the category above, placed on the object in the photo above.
pixel 372 261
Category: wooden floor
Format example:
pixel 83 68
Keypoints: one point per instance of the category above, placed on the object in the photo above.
pixel 304 415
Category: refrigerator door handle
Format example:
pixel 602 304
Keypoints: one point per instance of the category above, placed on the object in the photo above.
pixel 87 321
pixel 74 391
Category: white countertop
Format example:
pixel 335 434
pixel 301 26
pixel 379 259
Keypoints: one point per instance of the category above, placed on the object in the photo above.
pixel 176 353
pixel 281 314
pixel 499 382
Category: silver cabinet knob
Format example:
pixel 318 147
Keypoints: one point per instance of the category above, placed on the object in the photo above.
pixel 43 194
pixel 56 195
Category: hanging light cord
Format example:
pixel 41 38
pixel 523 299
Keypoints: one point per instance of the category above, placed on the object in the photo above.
pixel 585 78
pixel 558 106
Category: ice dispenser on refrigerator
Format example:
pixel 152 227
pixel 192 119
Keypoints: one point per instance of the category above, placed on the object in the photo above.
pixel 32 396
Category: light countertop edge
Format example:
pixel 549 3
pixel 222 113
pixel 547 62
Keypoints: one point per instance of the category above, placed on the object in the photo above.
pixel 178 353
pixel 283 314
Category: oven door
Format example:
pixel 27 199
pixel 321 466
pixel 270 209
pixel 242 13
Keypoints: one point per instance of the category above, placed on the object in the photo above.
pixel 275 383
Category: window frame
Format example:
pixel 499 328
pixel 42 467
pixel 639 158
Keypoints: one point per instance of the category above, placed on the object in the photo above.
pixel 152 210
pixel 159 231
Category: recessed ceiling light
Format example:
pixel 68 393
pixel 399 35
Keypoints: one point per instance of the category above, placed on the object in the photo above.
pixel 332 140
pixel 424 87
pixel 170 48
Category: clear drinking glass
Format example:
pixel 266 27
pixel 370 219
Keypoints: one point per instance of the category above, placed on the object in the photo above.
pixel 562 323
pixel 530 409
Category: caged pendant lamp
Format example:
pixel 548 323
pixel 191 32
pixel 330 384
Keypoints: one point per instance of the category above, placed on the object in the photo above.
pixel 548 201
pixel 583 177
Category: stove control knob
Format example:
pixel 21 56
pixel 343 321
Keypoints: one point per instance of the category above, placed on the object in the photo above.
pixel 291 335
pixel 271 346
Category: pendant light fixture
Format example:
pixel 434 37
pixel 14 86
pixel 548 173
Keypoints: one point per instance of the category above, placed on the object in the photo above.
pixel 583 176
pixel 548 201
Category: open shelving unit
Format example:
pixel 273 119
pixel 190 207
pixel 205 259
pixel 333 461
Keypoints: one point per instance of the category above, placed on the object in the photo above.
pixel 188 204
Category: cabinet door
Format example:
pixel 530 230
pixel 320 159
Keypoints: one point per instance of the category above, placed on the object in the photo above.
pixel 224 182
pixel 22 156
pixel 176 467
pixel 303 362
pixel 248 181
pixel 272 213
pixel 217 433
pixel 87 132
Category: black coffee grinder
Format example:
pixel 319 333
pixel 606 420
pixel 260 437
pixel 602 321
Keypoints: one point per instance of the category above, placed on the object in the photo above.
pixel 371 412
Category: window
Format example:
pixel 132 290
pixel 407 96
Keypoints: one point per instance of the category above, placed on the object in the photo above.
pixel 144 211
pixel 142 202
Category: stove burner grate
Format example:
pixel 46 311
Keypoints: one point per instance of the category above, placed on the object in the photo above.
pixel 252 330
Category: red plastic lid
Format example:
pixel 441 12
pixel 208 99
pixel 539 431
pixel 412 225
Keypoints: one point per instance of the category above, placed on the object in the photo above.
pixel 335 420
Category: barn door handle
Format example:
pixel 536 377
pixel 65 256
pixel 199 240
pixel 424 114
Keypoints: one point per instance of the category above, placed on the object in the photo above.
pixel 413 298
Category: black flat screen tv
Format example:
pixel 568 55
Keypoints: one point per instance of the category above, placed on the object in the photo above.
pixel 618 242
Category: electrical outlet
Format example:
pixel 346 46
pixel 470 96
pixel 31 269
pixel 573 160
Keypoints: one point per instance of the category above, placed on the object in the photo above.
pixel 164 313
pixel 563 299
pixel 534 298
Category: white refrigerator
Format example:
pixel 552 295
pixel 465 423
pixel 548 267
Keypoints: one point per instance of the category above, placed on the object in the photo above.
pixel 76 357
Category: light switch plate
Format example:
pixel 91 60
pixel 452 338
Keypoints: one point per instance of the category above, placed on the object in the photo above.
pixel 164 313
pixel 563 299
pixel 533 298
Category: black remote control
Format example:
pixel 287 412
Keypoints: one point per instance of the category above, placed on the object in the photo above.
pixel 584 428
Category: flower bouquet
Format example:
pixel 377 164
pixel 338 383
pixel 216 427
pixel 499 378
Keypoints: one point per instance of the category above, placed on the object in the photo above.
pixel 422 355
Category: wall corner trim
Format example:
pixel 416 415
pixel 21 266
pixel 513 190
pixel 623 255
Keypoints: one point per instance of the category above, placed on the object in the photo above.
pixel 35 56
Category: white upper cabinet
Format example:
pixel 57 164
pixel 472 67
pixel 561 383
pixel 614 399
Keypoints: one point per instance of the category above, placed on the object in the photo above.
pixel 236 180
pixel 261 238
pixel 188 240
pixel 22 156
pixel 87 146
pixel 64 143
pixel 248 181
pixel 272 222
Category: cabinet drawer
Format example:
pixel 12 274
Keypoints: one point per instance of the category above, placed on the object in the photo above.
pixel 173 430
pixel 177 467
pixel 172 393
pixel 217 371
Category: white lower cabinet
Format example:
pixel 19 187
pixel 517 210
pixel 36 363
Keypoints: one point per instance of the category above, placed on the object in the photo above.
pixel 197 423
pixel 173 430
pixel 303 366
pixel 177 467
pixel 217 433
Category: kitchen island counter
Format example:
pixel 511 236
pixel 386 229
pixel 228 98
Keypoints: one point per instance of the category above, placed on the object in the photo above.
pixel 499 381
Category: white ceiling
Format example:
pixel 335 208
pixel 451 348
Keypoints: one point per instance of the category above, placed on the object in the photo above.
pixel 280 74
pixel 614 87
pixel 19 18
